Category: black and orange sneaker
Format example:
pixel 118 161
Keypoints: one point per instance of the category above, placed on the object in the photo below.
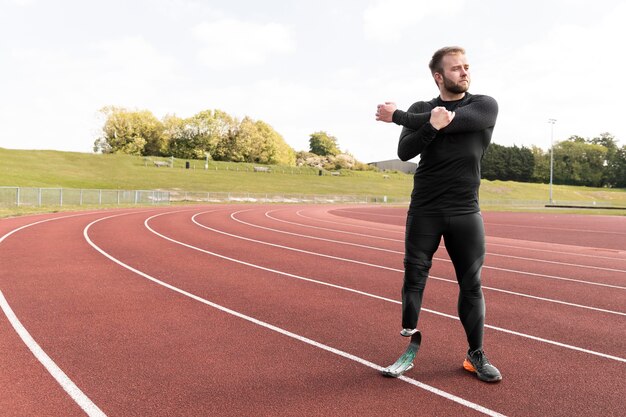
pixel 478 363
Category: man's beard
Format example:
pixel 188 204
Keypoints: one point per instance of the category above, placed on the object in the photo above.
pixel 455 88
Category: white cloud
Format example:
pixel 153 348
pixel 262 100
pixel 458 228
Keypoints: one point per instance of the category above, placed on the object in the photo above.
pixel 567 75
pixel 387 20
pixel 230 43
pixel 130 66
pixel 58 94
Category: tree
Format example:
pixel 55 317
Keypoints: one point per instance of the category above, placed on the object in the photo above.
pixel 130 132
pixel 577 162
pixel 613 165
pixel 180 138
pixel 210 127
pixel 618 168
pixel 507 163
pixel 493 165
pixel 322 144
pixel 272 148
pixel 541 165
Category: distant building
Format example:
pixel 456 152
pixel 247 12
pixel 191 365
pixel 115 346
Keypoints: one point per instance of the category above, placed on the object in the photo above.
pixel 395 165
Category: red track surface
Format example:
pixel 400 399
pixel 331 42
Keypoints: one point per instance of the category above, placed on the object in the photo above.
pixel 292 310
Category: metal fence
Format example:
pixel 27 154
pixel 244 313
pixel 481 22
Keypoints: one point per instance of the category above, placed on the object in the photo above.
pixel 53 197
pixel 59 197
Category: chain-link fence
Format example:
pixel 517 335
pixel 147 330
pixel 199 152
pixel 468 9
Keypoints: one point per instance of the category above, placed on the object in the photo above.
pixel 60 197
pixel 38 197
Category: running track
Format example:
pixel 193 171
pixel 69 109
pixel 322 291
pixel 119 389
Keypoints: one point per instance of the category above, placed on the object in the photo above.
pixel 273 310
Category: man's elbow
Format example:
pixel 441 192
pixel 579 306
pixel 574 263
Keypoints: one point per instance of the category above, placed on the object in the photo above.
pixel 403 156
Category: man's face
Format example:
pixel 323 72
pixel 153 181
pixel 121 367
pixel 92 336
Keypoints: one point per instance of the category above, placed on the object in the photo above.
pixel 456 75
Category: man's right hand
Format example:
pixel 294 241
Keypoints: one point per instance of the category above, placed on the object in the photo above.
pixel 440 117
pixel 384 112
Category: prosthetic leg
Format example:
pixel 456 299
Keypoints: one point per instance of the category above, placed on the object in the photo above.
pixel 405 361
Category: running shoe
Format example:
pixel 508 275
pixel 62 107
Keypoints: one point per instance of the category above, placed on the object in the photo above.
pixel 478 363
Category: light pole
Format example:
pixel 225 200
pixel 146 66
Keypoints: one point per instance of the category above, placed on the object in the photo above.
pixel 552 122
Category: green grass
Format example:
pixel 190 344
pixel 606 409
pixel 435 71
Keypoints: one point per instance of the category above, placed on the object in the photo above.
pixel 54 169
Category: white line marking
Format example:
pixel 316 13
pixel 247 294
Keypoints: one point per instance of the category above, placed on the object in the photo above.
pixel 438 259
pixel 399 252
pixel 66 383
pixel 539 339
pixel 57 373
pixel 555 228
pixel 299 213
pixel 550 300
pixel 303 339
pixel 586 255
pixel 39 222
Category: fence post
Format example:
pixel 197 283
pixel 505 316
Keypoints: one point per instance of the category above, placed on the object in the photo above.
pixel 39 196
pixel 61 197
pixel 17 196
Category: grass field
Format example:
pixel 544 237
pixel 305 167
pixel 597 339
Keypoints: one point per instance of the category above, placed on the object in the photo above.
pixel 54 169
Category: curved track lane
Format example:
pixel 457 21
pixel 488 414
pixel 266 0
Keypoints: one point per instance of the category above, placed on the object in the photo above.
pixel 293 310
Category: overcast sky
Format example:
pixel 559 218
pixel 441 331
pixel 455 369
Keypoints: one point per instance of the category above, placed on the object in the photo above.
pixel 305 66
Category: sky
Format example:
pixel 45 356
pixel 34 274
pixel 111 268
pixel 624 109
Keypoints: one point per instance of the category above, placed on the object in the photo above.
pixel 306 66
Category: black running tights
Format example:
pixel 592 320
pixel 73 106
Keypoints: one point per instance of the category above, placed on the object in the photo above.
pixel 464 238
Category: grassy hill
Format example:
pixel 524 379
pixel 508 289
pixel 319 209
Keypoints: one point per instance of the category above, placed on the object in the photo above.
pixel 54 169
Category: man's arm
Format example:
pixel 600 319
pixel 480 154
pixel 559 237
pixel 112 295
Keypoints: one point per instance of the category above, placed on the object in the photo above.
pixel 479 114
pixel 417 115
pixel 412 142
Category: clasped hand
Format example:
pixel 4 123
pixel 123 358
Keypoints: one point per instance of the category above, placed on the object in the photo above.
pixel 440 117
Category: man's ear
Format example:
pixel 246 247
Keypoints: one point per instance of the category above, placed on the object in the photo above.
pixel 438 78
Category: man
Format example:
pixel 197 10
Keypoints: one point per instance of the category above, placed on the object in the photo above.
pixel 450 133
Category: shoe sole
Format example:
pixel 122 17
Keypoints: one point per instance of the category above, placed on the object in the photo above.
pixel 395 373
pixel 467 365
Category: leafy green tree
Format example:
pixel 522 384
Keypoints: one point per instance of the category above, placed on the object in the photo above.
pixel 272 147
pixel 618 168
pixel 180 138
pixel 541 165
pixel 614 164
pixel 507 163
pixel 209 128
pixel 320 143
pixel 522 164
pixel 493 165
pixel 130 132
pixel 579 163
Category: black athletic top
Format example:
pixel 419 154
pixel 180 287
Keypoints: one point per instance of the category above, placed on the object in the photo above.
pixel 448 175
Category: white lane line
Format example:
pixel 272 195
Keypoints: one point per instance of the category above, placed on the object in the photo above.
pixel 57 373
pixel 340 242
pixel 39 222
pixel 559 252
pixel 267 214
pixel 500 329
pixel 282 331
pixel 550 300
pixel 519 226
pixel 299 213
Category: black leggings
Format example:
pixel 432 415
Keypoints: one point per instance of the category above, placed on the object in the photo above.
pixel 464 238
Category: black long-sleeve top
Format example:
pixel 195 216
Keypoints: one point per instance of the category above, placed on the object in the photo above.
pixel 447 178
